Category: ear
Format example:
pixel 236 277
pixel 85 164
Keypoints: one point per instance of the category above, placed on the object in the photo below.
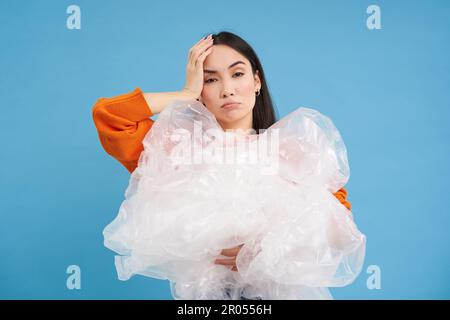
pixel 257 80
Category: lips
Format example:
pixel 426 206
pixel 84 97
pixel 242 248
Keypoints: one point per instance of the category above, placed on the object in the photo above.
pixel 230 104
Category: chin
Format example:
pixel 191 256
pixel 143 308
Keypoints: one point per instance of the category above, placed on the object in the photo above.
pixel 233 118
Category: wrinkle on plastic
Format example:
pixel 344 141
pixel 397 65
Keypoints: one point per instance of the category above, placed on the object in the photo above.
pixel 184 204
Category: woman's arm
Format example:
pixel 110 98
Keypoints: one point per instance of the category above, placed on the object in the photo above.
pixel 159 100
pixel 123 121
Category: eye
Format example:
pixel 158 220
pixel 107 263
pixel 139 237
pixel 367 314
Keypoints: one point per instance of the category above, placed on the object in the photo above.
pixel 209 80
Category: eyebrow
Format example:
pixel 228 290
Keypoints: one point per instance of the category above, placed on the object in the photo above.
pixel 231 66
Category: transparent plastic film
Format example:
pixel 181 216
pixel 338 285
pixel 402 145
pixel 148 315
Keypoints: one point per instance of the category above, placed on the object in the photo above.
pixel 199 189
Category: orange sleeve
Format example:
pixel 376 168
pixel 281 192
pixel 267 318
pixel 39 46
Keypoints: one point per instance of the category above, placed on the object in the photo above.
pixel 341 195
pixel 122 122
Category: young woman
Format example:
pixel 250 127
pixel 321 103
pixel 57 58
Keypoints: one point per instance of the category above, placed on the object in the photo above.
pixel 225 75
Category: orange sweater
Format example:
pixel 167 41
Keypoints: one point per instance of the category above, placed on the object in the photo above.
pixel 122 122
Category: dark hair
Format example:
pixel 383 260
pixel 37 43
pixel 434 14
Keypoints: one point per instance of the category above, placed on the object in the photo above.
pixel 263 112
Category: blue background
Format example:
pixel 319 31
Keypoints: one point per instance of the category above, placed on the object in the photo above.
pixel 386 90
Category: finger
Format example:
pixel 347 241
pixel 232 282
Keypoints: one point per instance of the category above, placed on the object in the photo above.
pixel 231 251
pixel 203 39
pixel 200 55
pixel 198 45
pixel 196 52
pixel 203 56
pixel 226 262
pixel 239 246
pixel 209 36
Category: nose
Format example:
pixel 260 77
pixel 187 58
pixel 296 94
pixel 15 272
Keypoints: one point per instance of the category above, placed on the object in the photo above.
pixel 227 89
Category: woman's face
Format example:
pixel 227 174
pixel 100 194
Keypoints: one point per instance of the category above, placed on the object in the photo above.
pixel 228 77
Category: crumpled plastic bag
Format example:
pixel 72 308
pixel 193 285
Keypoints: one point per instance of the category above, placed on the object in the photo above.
pixel 198 189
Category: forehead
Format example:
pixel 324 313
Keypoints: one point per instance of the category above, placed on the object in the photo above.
pixel 223 56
